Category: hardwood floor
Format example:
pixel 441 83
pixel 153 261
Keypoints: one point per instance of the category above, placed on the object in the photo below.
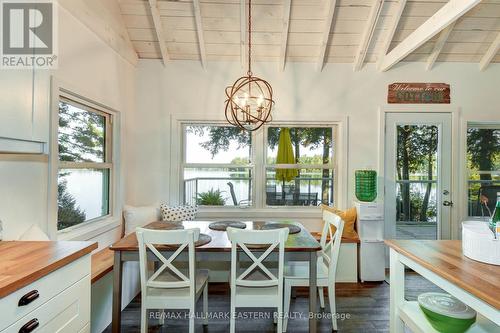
pixel 364 307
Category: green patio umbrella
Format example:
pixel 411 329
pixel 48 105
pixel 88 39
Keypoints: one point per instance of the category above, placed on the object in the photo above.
pixel 285 156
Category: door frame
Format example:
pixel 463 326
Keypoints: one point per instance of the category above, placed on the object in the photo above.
pixel 456 189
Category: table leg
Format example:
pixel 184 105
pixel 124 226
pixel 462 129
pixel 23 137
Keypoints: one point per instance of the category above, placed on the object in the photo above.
pixel 117 293
pixel 312 292
pixel 397 292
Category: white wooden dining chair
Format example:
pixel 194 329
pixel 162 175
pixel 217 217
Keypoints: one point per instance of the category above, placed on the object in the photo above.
pixel 169 287
pixel 297 273
pixel 257 286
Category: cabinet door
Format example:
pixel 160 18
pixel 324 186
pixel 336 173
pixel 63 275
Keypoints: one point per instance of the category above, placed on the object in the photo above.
pixel 16 101
pixel 68 312
pixel 41 105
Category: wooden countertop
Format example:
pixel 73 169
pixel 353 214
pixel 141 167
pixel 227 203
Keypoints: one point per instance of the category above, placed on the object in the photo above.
pixel 302 241
pixel 445 258
pixel 22 263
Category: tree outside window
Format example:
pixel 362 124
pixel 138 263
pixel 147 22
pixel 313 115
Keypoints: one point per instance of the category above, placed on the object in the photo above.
pixel 483 162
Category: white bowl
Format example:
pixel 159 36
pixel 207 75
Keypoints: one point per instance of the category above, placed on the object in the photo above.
pixel 479 244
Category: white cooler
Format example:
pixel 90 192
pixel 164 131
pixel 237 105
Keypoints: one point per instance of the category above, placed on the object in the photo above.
pixel 370 226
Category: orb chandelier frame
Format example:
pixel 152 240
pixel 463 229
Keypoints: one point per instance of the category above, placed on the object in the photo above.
pixel 249 100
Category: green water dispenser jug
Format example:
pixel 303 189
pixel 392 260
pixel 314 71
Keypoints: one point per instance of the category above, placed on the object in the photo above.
pixel 366 185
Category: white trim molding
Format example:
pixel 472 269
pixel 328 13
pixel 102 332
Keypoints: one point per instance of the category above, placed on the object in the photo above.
pixel 98 225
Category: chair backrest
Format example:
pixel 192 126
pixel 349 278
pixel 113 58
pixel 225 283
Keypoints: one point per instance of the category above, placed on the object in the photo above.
pixel 150 240
pixel 242 238
pixel 330 242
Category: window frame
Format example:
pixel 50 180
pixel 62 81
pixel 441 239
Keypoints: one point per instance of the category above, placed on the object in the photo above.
pixel 468 172
pixel 259 164
pixel 101 223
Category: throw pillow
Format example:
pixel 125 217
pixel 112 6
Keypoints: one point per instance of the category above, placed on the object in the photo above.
pixel 178 213
pixel 139 216
pixel 349 216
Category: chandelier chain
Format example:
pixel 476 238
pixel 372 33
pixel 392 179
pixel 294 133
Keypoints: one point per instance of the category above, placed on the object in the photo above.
pixel 249 38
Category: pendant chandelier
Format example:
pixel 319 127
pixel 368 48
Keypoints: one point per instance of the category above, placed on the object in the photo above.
pixel 250 99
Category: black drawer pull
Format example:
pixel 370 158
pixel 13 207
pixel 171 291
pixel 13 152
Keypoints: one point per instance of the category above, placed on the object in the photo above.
pixel 28 298
pixel 29 326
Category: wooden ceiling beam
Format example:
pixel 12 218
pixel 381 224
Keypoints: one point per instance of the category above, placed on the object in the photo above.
pixel 449 13
pixel 199 33
pixel 326 35
pixel 438 47
pixel 392 30
pixel 158 27
pixel 490 53
pixel 287 5
pixel 366 38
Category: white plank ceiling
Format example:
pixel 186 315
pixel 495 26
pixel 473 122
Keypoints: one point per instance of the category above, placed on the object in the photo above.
pixel 211 30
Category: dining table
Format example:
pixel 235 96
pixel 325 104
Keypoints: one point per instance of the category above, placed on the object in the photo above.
pixel 301 246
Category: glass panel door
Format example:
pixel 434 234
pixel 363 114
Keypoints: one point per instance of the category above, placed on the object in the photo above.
pixel 417 175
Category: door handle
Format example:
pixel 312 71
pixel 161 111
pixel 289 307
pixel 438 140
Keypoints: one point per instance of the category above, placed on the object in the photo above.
pixel 447 203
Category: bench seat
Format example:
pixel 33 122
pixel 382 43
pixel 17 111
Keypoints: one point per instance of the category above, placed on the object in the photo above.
pixel 102 264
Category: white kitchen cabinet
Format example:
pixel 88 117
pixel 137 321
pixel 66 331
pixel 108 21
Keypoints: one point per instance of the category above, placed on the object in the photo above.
pixel 24 110
pixel 16 104
pixel 56 302
pixel 62 302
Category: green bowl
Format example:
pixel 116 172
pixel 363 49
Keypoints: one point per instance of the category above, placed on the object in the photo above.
pixel 446 324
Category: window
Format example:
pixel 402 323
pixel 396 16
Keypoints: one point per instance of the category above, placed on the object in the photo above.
pixel 223 167
pixel 217 165
pixel 85 164
pixel 483 162
pixel 313 167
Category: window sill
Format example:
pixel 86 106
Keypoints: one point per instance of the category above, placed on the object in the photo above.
pixel 250 213
pixel 90 230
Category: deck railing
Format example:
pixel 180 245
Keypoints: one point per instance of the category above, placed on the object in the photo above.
pixel 192 189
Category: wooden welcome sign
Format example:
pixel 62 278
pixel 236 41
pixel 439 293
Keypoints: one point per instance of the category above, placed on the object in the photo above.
pixel 419 93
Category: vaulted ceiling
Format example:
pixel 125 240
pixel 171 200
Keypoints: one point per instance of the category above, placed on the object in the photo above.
pixel 317 31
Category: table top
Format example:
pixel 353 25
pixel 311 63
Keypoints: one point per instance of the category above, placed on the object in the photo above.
pixel 23 262
pixel 445 258
pixel 302 241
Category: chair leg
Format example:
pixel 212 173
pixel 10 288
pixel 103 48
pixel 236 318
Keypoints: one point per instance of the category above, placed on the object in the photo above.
pixel 162 317
pixel 205 304
pixel 279 318
pixel 232 318
pixel 321 297
pixel 333 310
pixel 286 312
pixel 144 319
pixel 192 314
